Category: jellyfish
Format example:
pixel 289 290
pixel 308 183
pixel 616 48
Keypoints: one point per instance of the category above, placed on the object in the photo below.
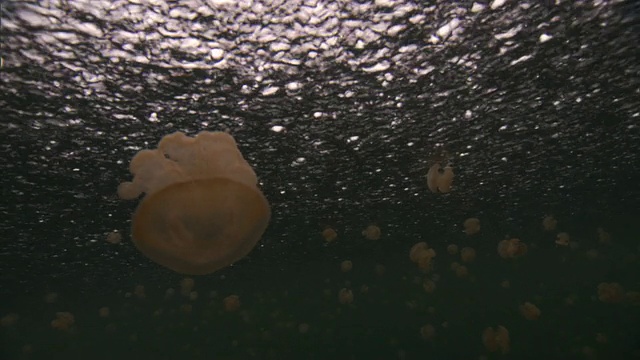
pixel 231 303
pixel 496 339
pixel 549 223
pixel 467 254
pixel 346 266
pixel 529 311
pixel 471 226
pixel 372 232
pixel 329 234
pixel 202 210
pixel 439 181
pixel 563 239
pixel 345 296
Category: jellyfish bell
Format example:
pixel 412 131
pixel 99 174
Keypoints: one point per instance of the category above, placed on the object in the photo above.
pixel 438 179
pixel 202 210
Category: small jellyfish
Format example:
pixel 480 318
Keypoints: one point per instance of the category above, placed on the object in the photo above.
pixel 471 226
pixel 439 181
pixel 114 237
pixel 496 339
pixel 63 321
pixel 512 248
pixel 428 285
pixel 345 296
pixel 530 311
pixel 452 249
pixel 428 332
pixel 372 232
pixel 604 237
pixel 203 209
pixel 563 239
pixel 549 223
pixel 612 293
pixel 346 266
pixel 103 312
pixel 231 303
pixel 467 254
pixel 329 235
pixel 421 254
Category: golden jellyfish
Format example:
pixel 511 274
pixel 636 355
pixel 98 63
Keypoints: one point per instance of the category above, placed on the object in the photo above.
pixel 114 237
pixel 471 226
pixel 345 296
pixel 452 249
pixel 372 232
pixel 511 248
pixel 530 311
pixel 563 239
pixel 428 285
pixel 496 339
pixel 329 235
pixel 633 298
pixel 467 254
pixel 603 236
pixel 139 292
pixel 428 332
pixel 346 266
pixel 63 321
pixel 231 303
pixel 422 255
pixel 51 297
pixel 103 312
pixel 439 179
pixel 9 319
pixel 612 293
pixel 549 223
pixel 203 210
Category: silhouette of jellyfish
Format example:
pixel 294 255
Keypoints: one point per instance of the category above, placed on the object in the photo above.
pixel 203 210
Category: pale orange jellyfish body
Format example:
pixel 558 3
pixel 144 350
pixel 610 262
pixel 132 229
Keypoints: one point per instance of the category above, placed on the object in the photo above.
pixel 203 210
pixel 439 181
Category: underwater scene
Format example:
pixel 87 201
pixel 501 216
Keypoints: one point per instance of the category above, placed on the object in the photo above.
pixel 317 179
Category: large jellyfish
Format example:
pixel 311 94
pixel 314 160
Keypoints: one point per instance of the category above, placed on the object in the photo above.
pixel 202 210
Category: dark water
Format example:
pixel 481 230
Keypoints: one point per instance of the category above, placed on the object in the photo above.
pixel 340 108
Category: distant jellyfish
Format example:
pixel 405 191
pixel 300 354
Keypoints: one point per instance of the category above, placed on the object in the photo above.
pixel 372 232
pixel 549 223
pixel 138 291
pixel 471 226
pixel 9 319
pixel 231 303
pixel 103 312
pixel 422 255
pixel 496 339
pixel 612 293
pixel 428 285
pixel 329 234
pixel 563 239
pixel 346 266
pixel 63 321
pixel 604 237
pixel 530 311
pixel 345 296
pixel 203 209
pixel 114 237
pixel 511 248
pixel 467 254
pixel 428 332
pixel 438 181
pixel 452 249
